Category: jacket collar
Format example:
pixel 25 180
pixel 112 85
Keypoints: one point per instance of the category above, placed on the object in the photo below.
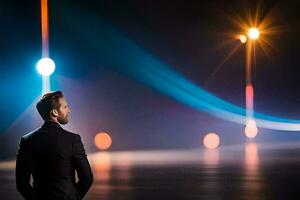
pixel 51 124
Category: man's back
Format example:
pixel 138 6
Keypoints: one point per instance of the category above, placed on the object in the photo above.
pixel 52 154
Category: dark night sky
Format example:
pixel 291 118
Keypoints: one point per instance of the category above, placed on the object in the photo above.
pixel 186 35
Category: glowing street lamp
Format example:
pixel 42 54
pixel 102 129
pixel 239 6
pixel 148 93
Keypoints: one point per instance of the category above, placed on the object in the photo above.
pixel 251 129
pixel 45 66
pixel 253 33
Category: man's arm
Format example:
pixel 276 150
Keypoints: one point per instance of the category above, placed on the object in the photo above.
pixel 82 167
pixel 23 173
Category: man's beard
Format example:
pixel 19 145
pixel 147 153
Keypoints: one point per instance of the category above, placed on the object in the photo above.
pixel 63 119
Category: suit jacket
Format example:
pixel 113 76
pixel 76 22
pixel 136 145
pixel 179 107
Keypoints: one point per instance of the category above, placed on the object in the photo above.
pixel 51 155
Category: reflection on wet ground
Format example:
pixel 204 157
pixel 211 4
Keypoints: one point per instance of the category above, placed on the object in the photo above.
pixel 250 171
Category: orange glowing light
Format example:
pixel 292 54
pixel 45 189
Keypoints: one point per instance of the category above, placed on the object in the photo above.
pixel 45 29
pixel 251 129
pixel 102 141
pixel 242 38
pixel 211 156
pixel 101 164
pixel 253 33
pixel 211 141
pixel 258 27
pixel 251 156
pixel 249 96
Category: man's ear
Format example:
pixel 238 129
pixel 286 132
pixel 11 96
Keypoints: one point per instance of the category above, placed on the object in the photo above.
pixel 54 113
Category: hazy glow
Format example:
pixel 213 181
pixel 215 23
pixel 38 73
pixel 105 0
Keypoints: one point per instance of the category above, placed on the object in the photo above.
pixel 45 66
pixel 45 28
pixel 101 164
pixel 253 33
pixel 249 96
pixel 252 166
pixel 211 156
pixel 249 101
pixel 102 141
pixel 251 155
pixel 46 85
pixel 251 129
pixel 124 55
pixel 211 141
pixel 242 38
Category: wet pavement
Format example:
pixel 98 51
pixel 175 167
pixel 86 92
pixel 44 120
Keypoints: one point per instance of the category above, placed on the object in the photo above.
pixel 250 171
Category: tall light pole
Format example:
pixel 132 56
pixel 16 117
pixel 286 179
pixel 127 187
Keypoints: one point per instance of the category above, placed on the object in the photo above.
pixel 45 66
pixel 251 129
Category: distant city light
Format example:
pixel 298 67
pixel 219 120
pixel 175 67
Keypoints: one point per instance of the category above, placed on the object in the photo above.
pixel 102 141
pixel 251 129
pixel 45 66
pixel 211 141
pixel 242 38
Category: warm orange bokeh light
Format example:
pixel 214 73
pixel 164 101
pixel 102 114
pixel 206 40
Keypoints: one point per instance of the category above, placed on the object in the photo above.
pixel 211 141
pixel 102 141
pixel 242 38
pixel 251 129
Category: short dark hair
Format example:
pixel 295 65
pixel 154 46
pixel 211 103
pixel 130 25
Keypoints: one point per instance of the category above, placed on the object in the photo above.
pixel 48 102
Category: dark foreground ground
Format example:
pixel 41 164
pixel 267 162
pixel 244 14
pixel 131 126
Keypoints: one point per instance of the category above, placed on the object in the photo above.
pixel 250 171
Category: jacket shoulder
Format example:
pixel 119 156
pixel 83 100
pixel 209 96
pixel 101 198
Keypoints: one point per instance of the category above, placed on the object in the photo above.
pixel 64 132
pixel 29 135
pixel 70 134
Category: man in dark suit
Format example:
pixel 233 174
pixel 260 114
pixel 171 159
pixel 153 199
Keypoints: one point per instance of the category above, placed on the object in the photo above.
pixel 51 155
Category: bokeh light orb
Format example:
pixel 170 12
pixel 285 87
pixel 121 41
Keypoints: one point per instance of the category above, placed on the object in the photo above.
pixel 102 141
pixel 253 33
pixel 251 129
pixel 211 141
pixel 45 66
pixel 242 38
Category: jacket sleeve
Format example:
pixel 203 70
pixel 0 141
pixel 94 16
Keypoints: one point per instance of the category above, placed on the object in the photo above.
pixel 23 172
pixel 82 167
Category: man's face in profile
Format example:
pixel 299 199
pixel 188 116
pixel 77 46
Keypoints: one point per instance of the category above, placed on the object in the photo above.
pixel 63 111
